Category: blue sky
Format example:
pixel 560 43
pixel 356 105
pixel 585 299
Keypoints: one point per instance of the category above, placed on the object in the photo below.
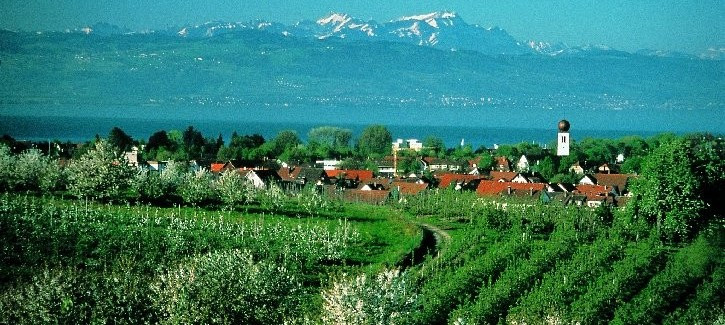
pixel 690 26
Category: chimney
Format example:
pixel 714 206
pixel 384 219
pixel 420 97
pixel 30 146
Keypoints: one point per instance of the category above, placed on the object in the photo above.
pixel 508 190
pixel 531 191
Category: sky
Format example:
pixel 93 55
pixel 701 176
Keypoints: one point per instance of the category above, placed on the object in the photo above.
pixel 690 26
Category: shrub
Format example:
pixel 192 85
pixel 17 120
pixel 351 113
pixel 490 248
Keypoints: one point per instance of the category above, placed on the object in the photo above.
pixel 226 287
pixel 386 298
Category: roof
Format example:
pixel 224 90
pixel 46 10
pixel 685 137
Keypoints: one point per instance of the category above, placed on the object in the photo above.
pixel 375 186
pixel 562 187
pixel 372 197
pixel 450 178
pixel 217 167
pixel 407 188
pixel 505 176
pixel 618 180
pixel 503 163
pixel 265 175
pixel 591 190
pixel 300 173
pixel 494 188
pixel 361 175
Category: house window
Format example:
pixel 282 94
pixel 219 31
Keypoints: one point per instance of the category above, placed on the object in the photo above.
pixel 563 139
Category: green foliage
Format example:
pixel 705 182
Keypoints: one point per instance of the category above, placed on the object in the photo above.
pixel 333 137
pixel 232 189
pixel 495 299
pixel 159 139
pixel 546 168
pixel 285 140
pixel 487 161
pixel 100 173
pixel 33 171
pixel 452 287
pixel 80 262
pixel 118 139
pixel 433 146
pixel 196 188
pixel 226 287
pixel 7 162
pixel 668 193
pixel 375 140
pixel 550 301
pixel 628 276
pixel 668 288
pixel 508 151
pixel 383 298
pixel 707 305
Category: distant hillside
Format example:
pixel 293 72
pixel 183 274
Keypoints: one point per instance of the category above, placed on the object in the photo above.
pixel 253 66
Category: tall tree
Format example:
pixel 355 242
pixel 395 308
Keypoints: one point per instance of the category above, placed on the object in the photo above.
pixel 330 136
pixel 119 139
pixel 375 140
pixel 286 139
pixel 668 192
pixel 193 142
pixel 433 146
pixel 159 139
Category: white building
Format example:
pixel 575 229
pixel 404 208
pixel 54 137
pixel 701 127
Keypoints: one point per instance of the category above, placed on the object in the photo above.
pixel 523 164
pixel 412 144
pixel 328 164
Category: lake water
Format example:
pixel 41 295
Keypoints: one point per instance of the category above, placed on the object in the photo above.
pixel 477 126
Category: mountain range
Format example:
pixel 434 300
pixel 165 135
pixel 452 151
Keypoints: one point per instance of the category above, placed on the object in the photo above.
pixel 443 30
pixel 429 60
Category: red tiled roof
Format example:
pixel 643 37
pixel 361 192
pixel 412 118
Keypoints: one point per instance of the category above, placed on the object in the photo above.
pixel 494 188
pixel 289 173
pixel 409 188
pixel 506 176
pixel 591 190
pixel 619 180
pixel 447 179
pixel 361 175
pixel 217 167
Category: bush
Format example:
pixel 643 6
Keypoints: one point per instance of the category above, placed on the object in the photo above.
pixel 386 298
pixel 226 287
pixel 100 173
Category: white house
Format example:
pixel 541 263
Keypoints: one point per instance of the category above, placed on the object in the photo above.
pixel 132 157
pixel 620 158
pixel 328 164
pixel 261 178
pixel 157 166
pixel 412 144
pixel 523 164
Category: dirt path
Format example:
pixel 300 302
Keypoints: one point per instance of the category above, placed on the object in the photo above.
pixel 431 243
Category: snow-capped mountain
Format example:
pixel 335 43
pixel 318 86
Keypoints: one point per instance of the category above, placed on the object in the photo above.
pixel 103 29
pixel 344 26
pixel 444 30
pixel 441 30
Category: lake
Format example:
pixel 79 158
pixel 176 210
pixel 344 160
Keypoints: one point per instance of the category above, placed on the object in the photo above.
pixel 476 126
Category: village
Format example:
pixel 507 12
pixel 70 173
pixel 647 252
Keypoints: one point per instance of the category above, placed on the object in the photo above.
pixel 512 180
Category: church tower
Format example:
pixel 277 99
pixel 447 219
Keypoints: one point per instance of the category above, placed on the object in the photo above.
pixel 562 149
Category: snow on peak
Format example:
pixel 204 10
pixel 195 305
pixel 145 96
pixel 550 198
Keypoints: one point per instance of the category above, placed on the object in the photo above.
pixel 432 15
pixel 434 19
pixel 335 18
